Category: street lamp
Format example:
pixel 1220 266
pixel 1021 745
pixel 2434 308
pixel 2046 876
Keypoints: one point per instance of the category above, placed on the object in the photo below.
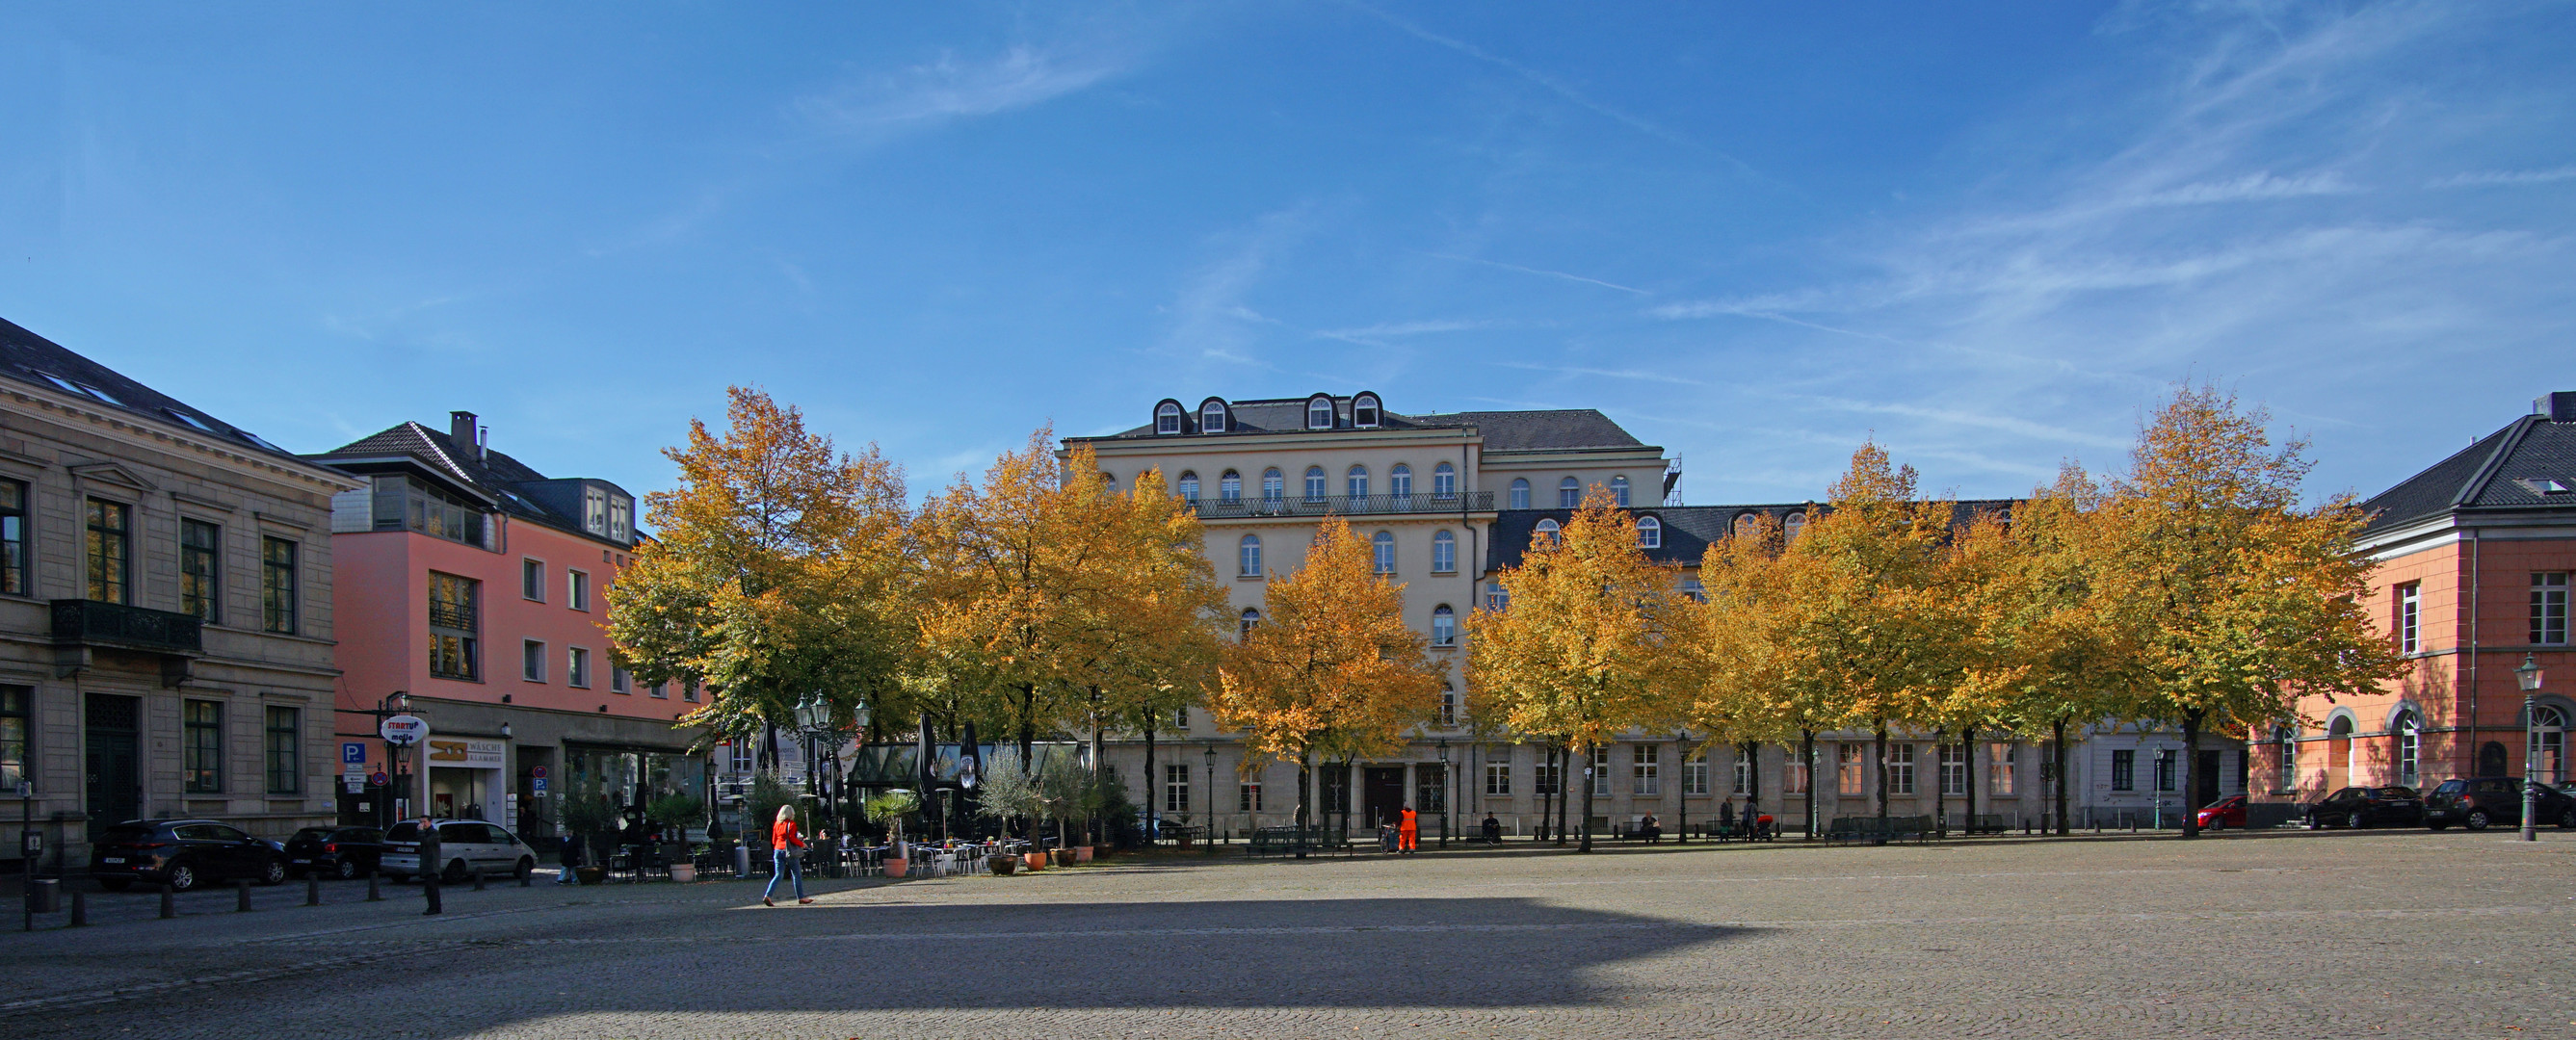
pixel 1210 836
pixel 2529 676
pixel 1445 820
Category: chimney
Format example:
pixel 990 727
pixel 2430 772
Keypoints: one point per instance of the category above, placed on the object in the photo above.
pixel 460 429
pixel 2556 407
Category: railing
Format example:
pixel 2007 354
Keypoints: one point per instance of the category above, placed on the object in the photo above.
pixel 83 621
pixel 453 616
pixel 1345 505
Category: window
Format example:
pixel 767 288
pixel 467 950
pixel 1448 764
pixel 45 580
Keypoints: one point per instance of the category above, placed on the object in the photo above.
pixel 1999 770
pixel 405 503
pixel 2410 597
pixel 689 690
pixel 455 618
pixel 1180 719
pixel 620 681
pixel 1176 788
pixel 1743 772
pixel 284 749
pixel 1520 494
pixel 577 667
pixel 738 756
pixel 1546 531
pixel 2410 747
pixel 277 585
pixel 1696 592
pixel 1444 481
pixel 201 574
pixel 1356 482
pixel 1619 491
pixel 1569 493
pixel 532 661
pixel 594 510
pixel 2285 759
pixel 1248 796
pixel 621 518
pixel 15 730
pixel 1851 773
pixel 1229 487
pixel 1498 779
pixel 1954 769
pixel 1599 770
pixel 1695 774
pixel 532 580
pixel 1248 556
pixel 2124 770
pixel 110 551
pixel 1382 545
pixel 1794 778
pixel 1650 533
pixel 1364 411
pixel 1790 525
pixel 1444 626
pixel 2164 769
pixel 1444 553
pixel 1251 619
pixel 1498 599
pixel 1273 487
pixel 1900 769
pixel 577 590
pixel 661 691
pixel 2548 608
pixel 1448 706
pixel 1167 418
pixel 1212 417
pixel 1319 414
pixel 13 537
pixel 1645 762
pixel 1547 778
pixel 1748 522
pixel 1189 487
pixel 202 754
pixel 2548 744
pixel 1399 481
pixel 1431 788
pixel 1315 483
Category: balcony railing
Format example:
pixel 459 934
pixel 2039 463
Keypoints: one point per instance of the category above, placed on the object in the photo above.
pixel 83 622
pixel 1346 505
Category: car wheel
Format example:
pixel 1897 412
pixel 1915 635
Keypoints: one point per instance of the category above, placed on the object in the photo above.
pixel 2476 821
pixel 347 869
pixel 274 873
pixel 2216 825
pixel 182 877
pixel 454 873
pixel 526 869
pixel 115 884
pixel 2356 821
pixel 2567 818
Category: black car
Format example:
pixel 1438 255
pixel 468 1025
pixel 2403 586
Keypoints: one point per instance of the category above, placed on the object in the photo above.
pixel 182 854
pixel 2359 807
pixel 2477 802
pixel 341 852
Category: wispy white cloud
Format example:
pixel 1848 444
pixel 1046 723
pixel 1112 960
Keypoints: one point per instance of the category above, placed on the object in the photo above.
pixel 1961 417
pixel 2503 178
pixel 1378 335
pixel 1209 319
pixel 1543 272
pixel 953 88
pixel 2250 188
pixel 1639 374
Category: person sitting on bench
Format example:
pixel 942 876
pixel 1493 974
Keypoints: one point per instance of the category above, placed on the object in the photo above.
pixel 1493 830
pixel 1650 829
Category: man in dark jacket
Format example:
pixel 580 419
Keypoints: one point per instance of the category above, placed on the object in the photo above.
pixel 571 858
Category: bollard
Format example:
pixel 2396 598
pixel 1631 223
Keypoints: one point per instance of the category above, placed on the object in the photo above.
pixel 169 903
pixel 241 897
pixel 80 910
pixel 478 881
pixel 527 879
pixel 312 889
pixel 374 895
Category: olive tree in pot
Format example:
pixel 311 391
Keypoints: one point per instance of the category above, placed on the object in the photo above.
pixel 674 812
pixel 586 813
pixel 1068 793
pixel 1011 793
pixel 890 808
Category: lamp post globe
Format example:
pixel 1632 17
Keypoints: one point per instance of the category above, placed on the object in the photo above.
pixel 2529 677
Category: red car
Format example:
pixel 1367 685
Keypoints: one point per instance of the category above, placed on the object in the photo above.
pixel 2224 813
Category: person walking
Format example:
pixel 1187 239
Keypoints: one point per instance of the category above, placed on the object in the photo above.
pixel 1408 833
pixel 783 844
pixel 571 861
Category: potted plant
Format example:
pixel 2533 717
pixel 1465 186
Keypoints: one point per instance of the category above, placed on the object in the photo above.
pixel 674 812
pixel 1010 792
pixel 586 813
pixel 890 808
pixel 1067 790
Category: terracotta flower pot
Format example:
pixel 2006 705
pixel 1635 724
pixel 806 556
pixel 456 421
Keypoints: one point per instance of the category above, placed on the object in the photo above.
pixel 1082 853
pixel 684 872
pixel 1002 864
pixel 894 867
pixel 1037 860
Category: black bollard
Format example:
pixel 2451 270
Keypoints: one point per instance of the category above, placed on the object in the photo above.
pixel 527 879
pixel 169 903
pixel 374 895
pixel 80 910
pixel 241 897
pixel 478 881
pixel 312 889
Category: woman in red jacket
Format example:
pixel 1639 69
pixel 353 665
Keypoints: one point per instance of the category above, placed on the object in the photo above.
pixel 783 861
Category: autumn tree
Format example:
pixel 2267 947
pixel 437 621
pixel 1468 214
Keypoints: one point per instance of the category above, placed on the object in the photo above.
pixel 1332 670
pixel 776 571
pixel 1737 663
pixel 1581 651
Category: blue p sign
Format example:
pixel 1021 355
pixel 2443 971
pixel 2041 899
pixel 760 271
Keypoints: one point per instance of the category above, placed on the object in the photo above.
pixel 352 752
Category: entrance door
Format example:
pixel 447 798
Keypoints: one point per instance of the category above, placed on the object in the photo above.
pixel 2204 779
pixel 113 778
pixel 1383 786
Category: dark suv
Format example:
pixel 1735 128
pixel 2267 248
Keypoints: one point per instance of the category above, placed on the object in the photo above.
pixel 341 852
pixel 2358 807
pixel 181 854
pixel 2475 803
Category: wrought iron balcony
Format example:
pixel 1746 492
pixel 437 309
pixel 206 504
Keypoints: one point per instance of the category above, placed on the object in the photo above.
pixel 1345 505
pixel 83 622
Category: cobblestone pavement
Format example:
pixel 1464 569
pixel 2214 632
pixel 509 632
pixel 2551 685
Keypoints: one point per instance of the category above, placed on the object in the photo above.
pixel 2396 934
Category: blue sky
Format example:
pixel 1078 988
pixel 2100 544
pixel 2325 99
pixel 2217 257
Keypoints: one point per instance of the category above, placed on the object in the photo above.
pixel 1987 234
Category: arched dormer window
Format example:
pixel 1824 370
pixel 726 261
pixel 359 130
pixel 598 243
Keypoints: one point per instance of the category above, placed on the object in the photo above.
pixel 1319 412
pixel 1520 494
pixel 1358 482
pixel 1273 486
pixel 1399 481
pixel 1248 556
pixel 1316 484
pixel 1747 522
pixel 1383 551
pixel 1189 486
pixel 1444 553
pixel 1213 416
pixel 1364 411
pixel 1229 488
pixel 1619 490
pixel 1650 533
pixel 1167 418
pixel 1569 493
pixel 1444 481
pixel 1791 524
pixel 1547 531
pixel 1444 626
pixel 1251 619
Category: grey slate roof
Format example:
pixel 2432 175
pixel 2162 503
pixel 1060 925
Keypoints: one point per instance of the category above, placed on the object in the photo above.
pixel 1688 530
pixel 1540 430
pixel 512 484
pixel 30 358
pixel 2503 471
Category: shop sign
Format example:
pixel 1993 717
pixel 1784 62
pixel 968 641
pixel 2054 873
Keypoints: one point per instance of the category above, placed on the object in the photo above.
pixel 404 730
pixel 480 754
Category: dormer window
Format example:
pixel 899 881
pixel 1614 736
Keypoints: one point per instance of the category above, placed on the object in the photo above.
pixel 1319 412
pixel 1212 416
pixel 1167 418
pixel 621 518
pixel 1650 533
pixel 1364 411
pixel 594 511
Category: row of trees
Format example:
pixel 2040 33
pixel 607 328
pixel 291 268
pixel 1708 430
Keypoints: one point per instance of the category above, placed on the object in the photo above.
pixel 2194 589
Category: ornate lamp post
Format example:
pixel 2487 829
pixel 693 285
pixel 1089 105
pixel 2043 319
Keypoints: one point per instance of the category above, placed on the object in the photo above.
pixel 1446 818
pixel 1210 836
pixel 2529 676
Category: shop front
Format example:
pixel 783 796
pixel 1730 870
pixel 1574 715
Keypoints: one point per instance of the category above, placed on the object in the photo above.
pixel 629 780
pixel 465 780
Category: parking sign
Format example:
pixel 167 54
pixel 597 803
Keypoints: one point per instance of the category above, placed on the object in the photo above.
pixel 352 752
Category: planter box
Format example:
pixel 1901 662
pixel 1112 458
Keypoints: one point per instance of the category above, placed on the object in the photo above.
pixel 895 867
pixel 590 875
pixel 1082 853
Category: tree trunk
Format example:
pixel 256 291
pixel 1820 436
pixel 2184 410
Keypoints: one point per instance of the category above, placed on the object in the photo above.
pixel 1752 778
pixel 1589 786
pixel 1153 803
pixel 1305 792
pixel 1681 801
pixel 1028 727
pixel 1968 747
pixel 1547 793
pixel 1882 769
pixel 1099 763
pixel 2182 772
pixel 1564 798
pixel 1807 754
pixel 1941 791
pixel 2058 730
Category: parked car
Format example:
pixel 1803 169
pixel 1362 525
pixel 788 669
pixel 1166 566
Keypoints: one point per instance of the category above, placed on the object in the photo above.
pixel 341 852
pixel 467 847
pixel 2477 802
pixel 182 854
pixel 2359 807
pixel 2224 813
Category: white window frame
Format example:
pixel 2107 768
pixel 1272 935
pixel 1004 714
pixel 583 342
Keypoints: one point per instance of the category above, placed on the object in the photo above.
pixel 577 667
pixel 2003 770
pixel 1229 487
pixel 1167 418
pixel 1547 528
pixel 1247 796
pixel 1355 482
pixel 1444 626
pixel 1646 769
pixel 1189 486
pixel 1176 787
pixel 577 589
pixel 1498 779
pixel 1650 533
pixel 1619 490
pixel 1382 553
pixel 1274 486
pixel 1569 493
pixel 530 568
pixel 1900 768
pixel 532 652
pixel 1248 556
pixel 1448 706
pixel 1319 484
pixel 1600 770
pixel 1444 481
pixel 1211 418
pixel 1695 774
pixel 1399 481
pixel 2410 603
pixel 1519 496
pixel 1366 412
pixel 1444 553
pixel 1319 413
pixel 1791 525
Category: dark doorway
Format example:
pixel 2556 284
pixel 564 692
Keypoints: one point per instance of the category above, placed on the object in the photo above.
pixel 1383 786
pixel 113 785
pixel 2204 778
pixel 2491 759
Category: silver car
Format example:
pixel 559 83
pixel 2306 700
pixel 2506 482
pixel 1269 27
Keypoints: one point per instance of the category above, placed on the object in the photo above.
pixel 465 848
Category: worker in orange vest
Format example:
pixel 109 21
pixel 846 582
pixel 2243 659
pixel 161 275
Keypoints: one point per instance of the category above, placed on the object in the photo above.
pixel 1408 833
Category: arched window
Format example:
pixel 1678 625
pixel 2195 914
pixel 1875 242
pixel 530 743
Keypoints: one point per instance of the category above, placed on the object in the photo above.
pixel 1569 493
pixel 1248 555
pixel 2339 751
pixel 2286 758
pixel 1273 486
pixel 1315 483
pixel 1444 626
pixel 1547 530
pixel 1650 533
pixel 1251 618
pixel 1619 491
pixel 1747 522
pixel 1319 412
pixel 2410 746
pixel 1444 553
pixel 1444 481
pixel 1189 486
pixel 1384 544
pixel 1520 494
pixel 1167 417
pixel 1212 416
pixel 1108 482
pixel 1358 482
pixel 2549 744
pixel 1229 488
pixel 1399 481
pixel 1791 524
pixel 1364 411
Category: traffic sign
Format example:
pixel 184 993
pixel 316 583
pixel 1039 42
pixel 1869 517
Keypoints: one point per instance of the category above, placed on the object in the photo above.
pixel 380 779
pixel 540 783
pixel 404 730
pixel 353 752
pixel 537 771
